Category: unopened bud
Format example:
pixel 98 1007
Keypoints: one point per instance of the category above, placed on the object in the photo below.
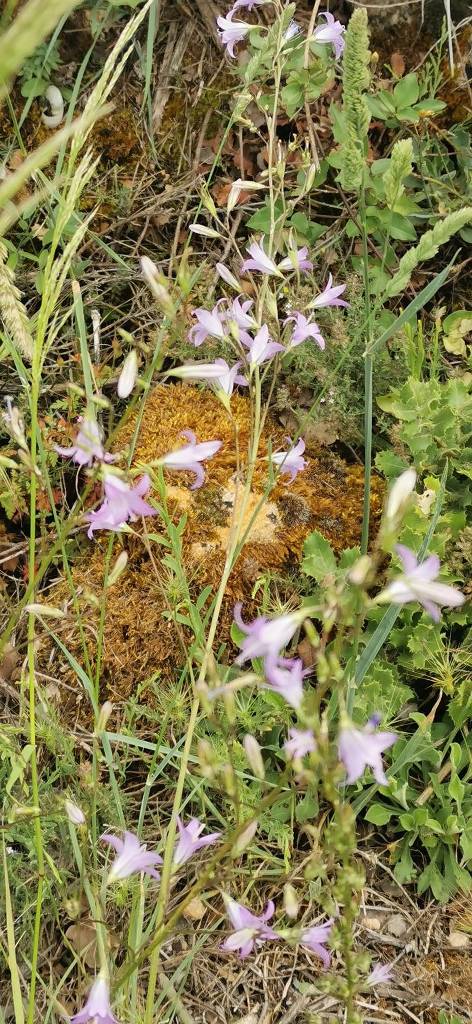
pixel 129 372
pixel 244 839
pixel 254 756
pixel 400 495
pixel 74 813
pixel 14 422
pixel 202 229
pixel 208 202
pixel 156 283
pixel 271 305
pixel 46 610
pixel 360 570
pixel 105 712
pixel 228 277
pixel 118 568
pixel 290 901
pixel 229 781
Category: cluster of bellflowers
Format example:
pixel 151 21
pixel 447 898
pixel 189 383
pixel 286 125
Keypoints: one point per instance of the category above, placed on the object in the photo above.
pixel 232 30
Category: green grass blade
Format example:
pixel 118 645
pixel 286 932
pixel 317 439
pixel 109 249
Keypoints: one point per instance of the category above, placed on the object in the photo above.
pixel 12 963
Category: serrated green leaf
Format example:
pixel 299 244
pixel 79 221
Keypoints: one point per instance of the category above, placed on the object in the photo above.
pixel 319 559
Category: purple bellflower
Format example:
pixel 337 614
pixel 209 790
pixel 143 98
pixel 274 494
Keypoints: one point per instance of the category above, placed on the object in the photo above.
pixel 232 32
pixel 250 930
pixel 259 261
pixel 300 743
pixel 418 583
pixel 358 748
pixel 260 347
pixel 190 456
pixel 122 502
pixel 264 637
pixel 238 311
pixel 285 677
pixel 97 1008
pixel 379 974
pixel 245 3
pixel 222 376
pixel 332 32
pixel 315 938
pixel 291 462
pixel 330 295
pixel 132 857
pixel 190 840
pixel 87 445
pixel 210 325
pixel 304 329
pixel 296 260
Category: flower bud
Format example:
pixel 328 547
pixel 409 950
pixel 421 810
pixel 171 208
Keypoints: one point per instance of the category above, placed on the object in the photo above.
pixel 74 813
pixel 244 839
pixel 360 570
pixel 290 901
pixel 105 712
pixel 118 568
pixel 254 756
pixel 400 495
pixel 129 372
pixel 202 229
pixel 228 277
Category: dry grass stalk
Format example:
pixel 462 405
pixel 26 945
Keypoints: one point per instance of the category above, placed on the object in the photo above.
pixel 13 312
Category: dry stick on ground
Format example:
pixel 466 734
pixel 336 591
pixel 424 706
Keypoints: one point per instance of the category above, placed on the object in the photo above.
pixel 209 13
pixel 174 53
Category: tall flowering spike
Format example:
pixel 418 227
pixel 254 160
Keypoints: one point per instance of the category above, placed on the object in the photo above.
pixel 315 939
pixel 299 743
pixel 291 462
pixel 265 637
pixel 232 32
pixel 418 583
pixel 190 456
pixel 87 445
pixel 260 348
pixel 132 857
pixel 250 930
pixel 209 325
pixel 359 748
pixel 304 329
pixel 285 677
pixel 296 260
pixel 331 32
pixel 97 1008
pixel 259 261
pixel 122 503
pixel 330 295
pixel 191 840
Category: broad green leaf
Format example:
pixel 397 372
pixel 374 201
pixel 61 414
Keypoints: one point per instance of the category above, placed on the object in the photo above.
pixel 379 814
pixel 319 559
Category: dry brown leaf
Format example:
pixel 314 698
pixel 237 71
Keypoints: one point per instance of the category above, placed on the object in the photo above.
pixel 397 64
pixel 83 938
pixel 195 910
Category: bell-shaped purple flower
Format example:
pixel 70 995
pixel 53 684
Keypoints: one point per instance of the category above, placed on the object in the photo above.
pixel 259 261
pixel 97 1008
pixel 238 311
pixel 330 295
pixel 190 456
pixel 232 32
pixel 418 583
pixel 261 347
pixel 222 376
pixel 209 325
pixel 191 840
pixel 132 857
pixel 285 677
pixel 250 930
pixel 87 445
pixel 264 637
pixel 122 503
pixel 379 975
pixel 300 743
pixel 332 32
pixel 315 939
pixel 291 462
pixel 359 748
pixel 245 3
pixel 296 260
pixel 304 329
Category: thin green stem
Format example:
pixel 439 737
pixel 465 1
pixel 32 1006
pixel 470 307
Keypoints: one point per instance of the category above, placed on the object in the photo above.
pixel 368 382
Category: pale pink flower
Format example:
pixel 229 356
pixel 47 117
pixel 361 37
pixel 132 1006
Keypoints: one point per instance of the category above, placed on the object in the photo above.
pixel 330 295
pixel 97 1008
pixel 292 31
pixel 132 857
pixel 190 456
pixel 418 583
pixel 259 261
pixel 264 637
pixel 87 445
pixel 232 32
pixel 315 938
pixel 285 677
pixel 238 311
pixel 261 347
pixel 74 813
pixel 210 325
pixel 359 748
pixel 304 329
pixel 296 260
pixel 300 743
pixel 291 462
pixel 218 373
pixel 332 32
pixel 245 3
pixel 122 502
pixel 250 930
pixel 227 276
pixel 190 840
pixel 379 974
